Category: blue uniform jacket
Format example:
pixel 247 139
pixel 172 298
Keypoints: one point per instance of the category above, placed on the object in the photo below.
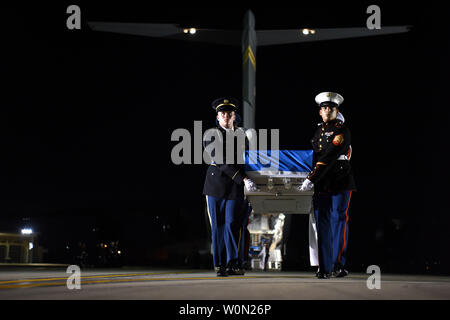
pixel 225 180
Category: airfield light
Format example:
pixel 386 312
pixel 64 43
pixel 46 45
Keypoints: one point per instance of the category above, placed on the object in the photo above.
pixel 305 31
pixel 27 231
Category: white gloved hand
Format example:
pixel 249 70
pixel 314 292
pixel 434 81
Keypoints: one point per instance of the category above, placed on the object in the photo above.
pixel 250 185
pixel 306 186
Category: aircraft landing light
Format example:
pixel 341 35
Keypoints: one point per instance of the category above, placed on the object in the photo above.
pixel 190 30
pixel 307 31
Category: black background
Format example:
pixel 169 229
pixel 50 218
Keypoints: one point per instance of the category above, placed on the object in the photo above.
pixel 87 117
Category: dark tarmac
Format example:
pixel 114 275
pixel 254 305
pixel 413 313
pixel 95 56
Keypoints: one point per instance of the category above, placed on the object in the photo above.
pixel 149 284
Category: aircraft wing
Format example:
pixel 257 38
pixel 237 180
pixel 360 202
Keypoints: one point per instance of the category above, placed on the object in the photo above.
pixel 169 31
pixel 274 37
pixel 234 37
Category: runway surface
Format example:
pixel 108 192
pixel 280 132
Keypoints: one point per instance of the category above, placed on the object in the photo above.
pixel 149 284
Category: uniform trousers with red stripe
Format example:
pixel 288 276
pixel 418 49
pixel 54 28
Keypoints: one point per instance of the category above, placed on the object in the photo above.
pixel 331 213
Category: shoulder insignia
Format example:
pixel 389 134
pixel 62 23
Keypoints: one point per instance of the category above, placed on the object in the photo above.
pixel 338 139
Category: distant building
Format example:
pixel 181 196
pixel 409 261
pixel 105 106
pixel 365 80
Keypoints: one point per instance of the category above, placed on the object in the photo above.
pixel 19 248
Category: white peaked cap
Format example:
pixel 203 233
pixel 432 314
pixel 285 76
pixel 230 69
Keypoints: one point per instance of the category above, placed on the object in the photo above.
pixel 329 96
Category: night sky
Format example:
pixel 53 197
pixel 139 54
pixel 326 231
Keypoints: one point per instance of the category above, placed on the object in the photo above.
pixel 86 121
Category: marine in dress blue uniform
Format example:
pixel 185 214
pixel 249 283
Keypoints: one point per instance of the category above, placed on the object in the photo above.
pixel 224 191
pixel 333 182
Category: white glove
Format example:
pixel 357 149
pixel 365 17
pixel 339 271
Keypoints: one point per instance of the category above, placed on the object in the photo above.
pixel 250 185
pixel 306 186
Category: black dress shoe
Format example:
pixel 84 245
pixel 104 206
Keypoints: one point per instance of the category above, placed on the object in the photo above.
pixel 235 271
pixel 240 271
pixel 222 272
pixel 322 275
pixel 340 273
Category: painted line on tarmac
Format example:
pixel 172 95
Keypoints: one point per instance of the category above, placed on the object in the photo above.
pixel 114 281
pixel 43 282
pixel 32 285
pixel 94 276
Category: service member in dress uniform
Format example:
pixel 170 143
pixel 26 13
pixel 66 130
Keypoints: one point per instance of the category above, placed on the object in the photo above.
pixel 333 183
pixel 224 190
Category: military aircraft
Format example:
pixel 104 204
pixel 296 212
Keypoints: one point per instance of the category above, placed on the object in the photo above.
pixel 248 38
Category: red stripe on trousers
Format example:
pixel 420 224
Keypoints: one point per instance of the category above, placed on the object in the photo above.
pixel 345 227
